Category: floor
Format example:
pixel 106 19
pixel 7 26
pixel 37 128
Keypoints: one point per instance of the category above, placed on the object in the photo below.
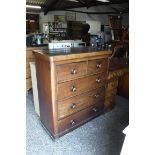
pixel 101 136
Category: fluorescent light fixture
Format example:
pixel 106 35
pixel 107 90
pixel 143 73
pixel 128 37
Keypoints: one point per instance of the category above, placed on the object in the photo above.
pixel 33 6
pixel 103 0
pixel 73 0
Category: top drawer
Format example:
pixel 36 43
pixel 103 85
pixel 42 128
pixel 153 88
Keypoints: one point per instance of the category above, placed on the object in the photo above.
pixel 71 70
pixel 98 65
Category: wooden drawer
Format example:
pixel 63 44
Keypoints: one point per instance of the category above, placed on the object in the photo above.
pixel 112 85
pixel 98 65
pixel 71 70
pixel 75 104
pixel 109 102
pixel 78 86
pixel 75 119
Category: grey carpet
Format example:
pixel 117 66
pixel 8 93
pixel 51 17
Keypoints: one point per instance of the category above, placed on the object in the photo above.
pixel 101 136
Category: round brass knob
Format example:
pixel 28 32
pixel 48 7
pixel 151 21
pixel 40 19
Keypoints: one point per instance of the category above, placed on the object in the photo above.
pixel 98 65
pixel 73 106
pixel 72 122
pixel 73 71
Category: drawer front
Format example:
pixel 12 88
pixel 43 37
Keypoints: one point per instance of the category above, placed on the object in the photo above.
pixel 109 102
pixel 74 120
pixel 70 71
pixel 98 65
pixel 78 86
pixel 75 104
pixel 112 85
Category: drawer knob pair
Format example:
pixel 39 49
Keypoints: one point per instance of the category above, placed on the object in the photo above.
pixel 98 80
pixel 72 122
pixel 73 106
pixel 95 109
pixel 73 89
pixel 99 65
pixel 73 71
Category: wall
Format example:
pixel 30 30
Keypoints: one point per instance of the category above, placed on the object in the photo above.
pixel 100 18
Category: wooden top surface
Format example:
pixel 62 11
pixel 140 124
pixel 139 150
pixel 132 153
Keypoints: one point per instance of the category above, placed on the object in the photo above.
pixel 37 47
pixel 72 53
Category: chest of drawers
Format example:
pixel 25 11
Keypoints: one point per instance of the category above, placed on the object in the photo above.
pixel 71 89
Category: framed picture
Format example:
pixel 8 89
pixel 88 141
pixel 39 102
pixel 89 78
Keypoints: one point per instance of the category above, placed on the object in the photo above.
pixel 70 16
pixel 59 18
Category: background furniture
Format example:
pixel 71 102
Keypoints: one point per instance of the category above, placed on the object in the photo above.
pixel 114 88
pixel 30 58
pixel 32 23
pixel 34 87
pixel 116 24
pixel 119 68
pixel 123 86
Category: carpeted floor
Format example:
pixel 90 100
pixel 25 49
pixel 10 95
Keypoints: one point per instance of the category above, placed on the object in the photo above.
pixel 101 136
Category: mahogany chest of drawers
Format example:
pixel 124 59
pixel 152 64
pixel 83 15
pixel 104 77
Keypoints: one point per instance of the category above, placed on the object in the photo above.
pixel 71 88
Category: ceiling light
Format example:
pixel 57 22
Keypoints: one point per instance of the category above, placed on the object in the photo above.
pixel 103 0
pixel 73 0
pixel 33 6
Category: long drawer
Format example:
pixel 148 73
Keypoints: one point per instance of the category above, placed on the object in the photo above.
pixel 75 119
pixel 71 70
pixel 78 86
pixel 77 103
pixel 98 65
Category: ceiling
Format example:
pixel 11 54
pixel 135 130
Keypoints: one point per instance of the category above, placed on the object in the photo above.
pixel 52 5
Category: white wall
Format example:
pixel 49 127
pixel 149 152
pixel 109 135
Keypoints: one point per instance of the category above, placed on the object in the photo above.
pixel 103 19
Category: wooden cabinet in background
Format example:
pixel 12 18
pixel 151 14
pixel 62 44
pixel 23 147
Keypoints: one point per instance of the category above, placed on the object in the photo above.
pixel 74 29
pixel 32 26
pixel 123 86
pixel 32 23
pixel 118 83
pixel 116 24
pixel 29 58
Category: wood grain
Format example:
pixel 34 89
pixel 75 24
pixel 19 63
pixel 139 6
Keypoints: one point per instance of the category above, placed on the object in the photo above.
pixel 113 84
pixel 75 119
pixel 109 102
pixel 81 85
pixel 71 70
pixel 98 65
pixel 123 86
pixel 29 58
